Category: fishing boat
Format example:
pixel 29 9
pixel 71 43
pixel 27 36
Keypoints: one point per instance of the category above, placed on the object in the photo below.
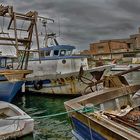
pixel 109 114
pixel 14 122
pixel 58 71
pixel 12 77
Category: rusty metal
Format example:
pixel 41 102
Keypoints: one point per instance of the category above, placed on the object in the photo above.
pixel 132 116
pixel 96 76
pixel 122 120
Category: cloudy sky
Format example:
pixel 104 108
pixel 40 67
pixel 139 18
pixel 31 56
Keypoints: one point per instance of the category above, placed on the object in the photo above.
pixel 82 22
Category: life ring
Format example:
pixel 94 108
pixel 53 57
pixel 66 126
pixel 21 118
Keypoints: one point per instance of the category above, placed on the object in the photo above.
pixel 38 85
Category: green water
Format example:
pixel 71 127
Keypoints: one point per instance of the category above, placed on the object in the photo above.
pixel 55 128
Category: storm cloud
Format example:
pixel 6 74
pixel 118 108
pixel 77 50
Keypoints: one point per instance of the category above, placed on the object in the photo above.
pixel 82 22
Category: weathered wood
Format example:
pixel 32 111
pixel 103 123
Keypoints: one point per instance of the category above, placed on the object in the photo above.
pixel 119 74
pixel 12 17
pixel 9 44
pixel 19 29
pixel 22 40
pixel 3 10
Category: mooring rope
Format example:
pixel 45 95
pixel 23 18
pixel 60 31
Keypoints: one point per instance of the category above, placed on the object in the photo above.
pixel 82 110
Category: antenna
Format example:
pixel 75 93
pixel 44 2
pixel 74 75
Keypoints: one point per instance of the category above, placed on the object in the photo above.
pixel 59 26
pixel 51 36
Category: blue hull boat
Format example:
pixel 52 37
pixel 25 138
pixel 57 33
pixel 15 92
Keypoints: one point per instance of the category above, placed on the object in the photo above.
pixel 8 90
pixel 112 113
pixel 11 80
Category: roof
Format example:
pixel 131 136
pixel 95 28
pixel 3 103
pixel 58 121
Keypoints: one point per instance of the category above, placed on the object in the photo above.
pixel 58 47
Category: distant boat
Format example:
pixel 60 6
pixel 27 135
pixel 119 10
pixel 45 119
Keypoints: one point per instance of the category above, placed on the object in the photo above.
pixel 11 80
pixel 109 114
pixel 14 122
pixel 123 67
pixel 58 71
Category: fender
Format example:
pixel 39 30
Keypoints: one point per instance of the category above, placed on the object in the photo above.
pixel 38 85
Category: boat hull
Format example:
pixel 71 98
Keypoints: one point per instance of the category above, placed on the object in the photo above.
pixel 8 89
pixel 49 87
pixel 95 124
pixel 69 85
pixel 14 122
pixel 85 132
pixel 91 130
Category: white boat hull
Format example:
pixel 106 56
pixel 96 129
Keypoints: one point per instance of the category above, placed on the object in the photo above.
pixel 64 84
pixel 14 122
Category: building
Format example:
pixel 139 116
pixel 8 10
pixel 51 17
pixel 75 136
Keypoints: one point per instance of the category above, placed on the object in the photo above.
pixel 119 49
pixel 107 49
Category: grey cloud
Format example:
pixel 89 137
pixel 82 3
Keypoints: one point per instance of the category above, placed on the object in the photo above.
pixel 86 21
pixel 131 6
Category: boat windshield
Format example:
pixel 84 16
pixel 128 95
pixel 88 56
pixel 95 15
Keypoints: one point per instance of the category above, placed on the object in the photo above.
pixel 62 52
pixel 56 52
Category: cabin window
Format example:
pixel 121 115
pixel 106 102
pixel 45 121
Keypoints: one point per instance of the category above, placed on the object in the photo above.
pixel 62 52
pixel 9 64
pixel 47 53
pixel 56 52
pixel 42 53
pixel 68 53
pixel 2 63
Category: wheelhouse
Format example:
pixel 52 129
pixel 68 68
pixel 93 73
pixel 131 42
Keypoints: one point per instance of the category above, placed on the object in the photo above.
pixel 56 51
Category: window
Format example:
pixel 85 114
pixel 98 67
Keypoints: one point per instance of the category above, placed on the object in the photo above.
pixel 47 53
pixel 2 63
pixel 42 54
pixel 62 52
pixel 68 53
pixel 56 52
pixel 100 49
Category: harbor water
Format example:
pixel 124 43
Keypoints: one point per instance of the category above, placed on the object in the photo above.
pixel 53 128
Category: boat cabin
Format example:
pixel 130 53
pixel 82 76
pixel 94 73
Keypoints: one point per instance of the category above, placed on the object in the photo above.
pixel 55 51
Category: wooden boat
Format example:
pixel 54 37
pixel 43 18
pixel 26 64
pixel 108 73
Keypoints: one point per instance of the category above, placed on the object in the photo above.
pixel 14 122
pixel 109 114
